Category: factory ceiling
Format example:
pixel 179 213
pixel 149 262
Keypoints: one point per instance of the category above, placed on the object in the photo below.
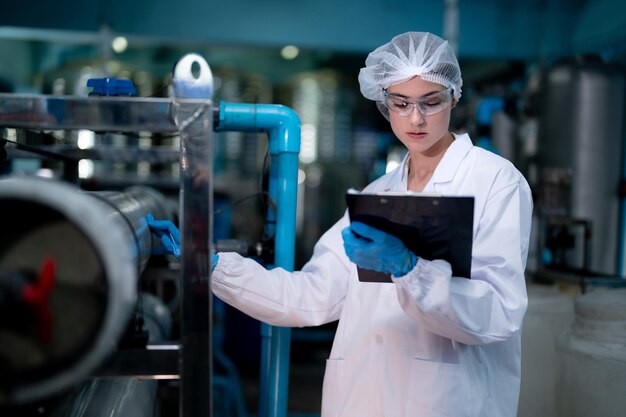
pixel 249 34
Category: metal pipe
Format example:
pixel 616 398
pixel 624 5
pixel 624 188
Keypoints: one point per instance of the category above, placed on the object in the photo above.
pixel 112 398
pixel 109 397
pixel 283 127
pixel 99 243
pixel 102 114
pixel 191 117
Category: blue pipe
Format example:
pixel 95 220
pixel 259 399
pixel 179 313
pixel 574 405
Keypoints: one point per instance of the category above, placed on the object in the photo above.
pixel 484 116
pixel 283 127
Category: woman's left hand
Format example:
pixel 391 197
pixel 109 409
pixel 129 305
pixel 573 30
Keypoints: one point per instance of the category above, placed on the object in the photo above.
pixel 376 250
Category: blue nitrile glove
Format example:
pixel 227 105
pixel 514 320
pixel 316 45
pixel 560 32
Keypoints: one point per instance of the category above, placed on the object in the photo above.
pixel 169 235
pixel 214 260
pixel 376 250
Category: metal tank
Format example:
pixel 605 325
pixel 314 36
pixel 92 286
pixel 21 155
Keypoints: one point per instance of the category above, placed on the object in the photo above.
pixel 580 135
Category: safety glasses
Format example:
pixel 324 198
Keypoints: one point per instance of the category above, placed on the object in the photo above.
pixel 427 105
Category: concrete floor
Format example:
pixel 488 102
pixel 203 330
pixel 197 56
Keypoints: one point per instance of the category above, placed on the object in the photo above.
pixel 309 351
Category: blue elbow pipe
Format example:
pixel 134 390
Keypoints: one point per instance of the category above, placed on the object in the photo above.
pixel 281 122
pixel 283 127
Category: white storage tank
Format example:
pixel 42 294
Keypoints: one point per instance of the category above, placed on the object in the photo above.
pixel 550 313
pixel 591 357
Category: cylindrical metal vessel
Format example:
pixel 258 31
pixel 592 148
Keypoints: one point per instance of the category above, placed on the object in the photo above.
pixel 98 244
pixel 580 135
pixel 591 357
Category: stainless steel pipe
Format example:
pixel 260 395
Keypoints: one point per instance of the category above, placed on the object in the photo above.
pixel 99 244
pixel 128 396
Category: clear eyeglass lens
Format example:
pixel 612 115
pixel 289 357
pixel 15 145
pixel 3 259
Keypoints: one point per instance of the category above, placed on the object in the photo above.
pixel 427 106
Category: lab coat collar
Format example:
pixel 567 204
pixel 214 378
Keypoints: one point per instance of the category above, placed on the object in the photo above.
pixel 447 167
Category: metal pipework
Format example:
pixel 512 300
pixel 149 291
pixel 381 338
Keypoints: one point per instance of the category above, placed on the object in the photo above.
pixel 106 397
pixel 189 114
pixel 283 127
pixel 99 243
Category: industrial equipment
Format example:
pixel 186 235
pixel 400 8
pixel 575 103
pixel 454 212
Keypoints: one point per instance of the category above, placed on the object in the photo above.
pixel 107 271
pixel 98 244
pixel 95 278
pixel 576 171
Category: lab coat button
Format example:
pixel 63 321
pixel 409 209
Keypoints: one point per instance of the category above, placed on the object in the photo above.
pixel 379 339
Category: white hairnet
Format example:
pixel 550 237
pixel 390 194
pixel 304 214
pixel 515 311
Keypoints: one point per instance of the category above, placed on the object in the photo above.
pixel 404 57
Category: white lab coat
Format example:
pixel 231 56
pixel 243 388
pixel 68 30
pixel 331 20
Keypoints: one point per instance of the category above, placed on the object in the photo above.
pixel 429 344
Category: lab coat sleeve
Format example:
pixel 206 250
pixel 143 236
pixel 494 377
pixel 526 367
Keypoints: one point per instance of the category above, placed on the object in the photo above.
pixel 309 297
pixel 490 306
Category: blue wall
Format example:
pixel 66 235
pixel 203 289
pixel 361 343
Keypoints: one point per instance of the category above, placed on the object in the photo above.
pixel 488 28
pixel 492 29
pixel 601 26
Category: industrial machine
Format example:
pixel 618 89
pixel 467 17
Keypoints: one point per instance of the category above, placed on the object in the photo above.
pixel 70 263
pixel 576 171
pixel 82 253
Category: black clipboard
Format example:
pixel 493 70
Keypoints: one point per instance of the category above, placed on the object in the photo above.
pixel 433 227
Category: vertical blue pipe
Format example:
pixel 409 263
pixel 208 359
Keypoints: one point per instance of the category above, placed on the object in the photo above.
pixel 487 106
pixel 283 126
pixel 269 336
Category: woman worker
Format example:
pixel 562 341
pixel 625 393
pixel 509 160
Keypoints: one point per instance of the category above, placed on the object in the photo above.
pixel 429 344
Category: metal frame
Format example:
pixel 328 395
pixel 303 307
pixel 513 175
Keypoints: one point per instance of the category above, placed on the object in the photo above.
pixel 192 118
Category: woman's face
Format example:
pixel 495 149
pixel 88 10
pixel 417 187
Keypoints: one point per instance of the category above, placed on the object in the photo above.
pixel 417 132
